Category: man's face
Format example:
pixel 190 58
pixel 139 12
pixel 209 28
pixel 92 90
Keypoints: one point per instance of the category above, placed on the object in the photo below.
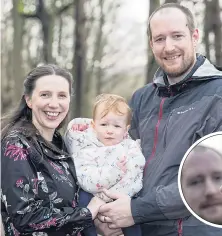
pixel 201 181
pixel 172 43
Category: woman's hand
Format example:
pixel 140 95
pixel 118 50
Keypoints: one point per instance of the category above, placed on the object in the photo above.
pixel 104 230
pixel 94 206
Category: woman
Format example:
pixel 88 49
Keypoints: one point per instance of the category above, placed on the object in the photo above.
pixel 39 189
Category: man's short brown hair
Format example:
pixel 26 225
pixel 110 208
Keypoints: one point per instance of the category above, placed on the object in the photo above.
pixel 188 14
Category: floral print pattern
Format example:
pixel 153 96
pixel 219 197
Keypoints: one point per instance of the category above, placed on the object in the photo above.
pixel 39 194
pixel 99 166
pixel 16 151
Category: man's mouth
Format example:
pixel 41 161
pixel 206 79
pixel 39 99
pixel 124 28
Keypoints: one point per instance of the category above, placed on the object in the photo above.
pixel 211 204
pixel 171 58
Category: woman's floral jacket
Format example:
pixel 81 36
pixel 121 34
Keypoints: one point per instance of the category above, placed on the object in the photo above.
pixel 39 191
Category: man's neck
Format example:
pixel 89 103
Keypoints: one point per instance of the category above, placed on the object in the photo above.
pixel 175 80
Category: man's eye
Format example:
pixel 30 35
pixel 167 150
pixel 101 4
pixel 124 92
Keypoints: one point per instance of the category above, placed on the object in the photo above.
pixel 178 36
pixel 159 40
pixel 218 178
pixel 195 182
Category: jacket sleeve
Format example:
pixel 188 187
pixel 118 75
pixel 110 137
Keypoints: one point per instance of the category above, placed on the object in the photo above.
pixel 74 138
pixel 131 183
pixel 133 131
pixel 161 203
pixel 27 210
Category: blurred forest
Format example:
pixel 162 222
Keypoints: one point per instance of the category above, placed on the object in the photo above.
pixel 89 38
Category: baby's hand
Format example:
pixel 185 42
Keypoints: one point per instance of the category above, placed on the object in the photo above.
pixel 80 127
pixel 102 196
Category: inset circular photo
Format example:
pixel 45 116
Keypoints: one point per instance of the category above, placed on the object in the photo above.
pixel 200 179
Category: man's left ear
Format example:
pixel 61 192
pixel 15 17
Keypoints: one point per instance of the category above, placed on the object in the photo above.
pixel 195 36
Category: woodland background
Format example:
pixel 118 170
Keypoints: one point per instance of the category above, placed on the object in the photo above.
pixel 96 40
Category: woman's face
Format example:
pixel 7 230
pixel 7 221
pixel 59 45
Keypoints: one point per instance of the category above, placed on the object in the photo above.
pixel 201 181
pixel 49 103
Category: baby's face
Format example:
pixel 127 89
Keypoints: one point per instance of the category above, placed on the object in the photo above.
pixel 110 129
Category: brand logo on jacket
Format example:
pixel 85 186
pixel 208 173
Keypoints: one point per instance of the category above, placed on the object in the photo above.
pixel 189 109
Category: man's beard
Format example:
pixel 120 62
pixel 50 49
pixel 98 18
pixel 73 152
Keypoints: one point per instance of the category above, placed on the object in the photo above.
pixel 185 66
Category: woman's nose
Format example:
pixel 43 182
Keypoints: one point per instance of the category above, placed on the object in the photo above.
pixel 53 102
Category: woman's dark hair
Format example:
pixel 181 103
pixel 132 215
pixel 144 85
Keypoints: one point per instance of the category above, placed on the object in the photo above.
pixel 22 114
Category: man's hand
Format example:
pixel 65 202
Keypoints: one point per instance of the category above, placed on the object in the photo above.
pixel 104 230
pixel 118 213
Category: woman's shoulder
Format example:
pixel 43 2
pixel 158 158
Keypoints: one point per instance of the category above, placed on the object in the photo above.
pixel 15 146
pixel 16 136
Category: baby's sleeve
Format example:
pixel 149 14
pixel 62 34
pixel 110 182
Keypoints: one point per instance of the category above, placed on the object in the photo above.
pixel 132 181
pixel 74 138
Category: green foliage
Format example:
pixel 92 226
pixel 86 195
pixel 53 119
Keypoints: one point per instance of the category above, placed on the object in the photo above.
pixel 26 7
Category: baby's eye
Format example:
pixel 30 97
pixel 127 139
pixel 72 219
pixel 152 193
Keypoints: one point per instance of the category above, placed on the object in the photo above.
pixel 117 126
pixel 103 124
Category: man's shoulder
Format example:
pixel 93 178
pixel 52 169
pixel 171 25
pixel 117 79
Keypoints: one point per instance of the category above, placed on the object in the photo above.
pixel 142 92
pixel 216 83
pixel 145 88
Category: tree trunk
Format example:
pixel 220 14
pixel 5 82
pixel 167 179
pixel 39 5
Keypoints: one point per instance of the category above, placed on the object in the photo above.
pixel 99 48
pixel 171 1
pixel 217 29
pixel 47 29
pixel 151 65
pixel 79 59
pixel 207 28
pixel 17 69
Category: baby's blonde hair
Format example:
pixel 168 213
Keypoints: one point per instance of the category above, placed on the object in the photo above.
pixel 114 103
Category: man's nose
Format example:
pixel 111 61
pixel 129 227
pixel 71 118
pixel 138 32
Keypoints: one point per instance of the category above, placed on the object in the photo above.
pixel 211 188
pixel 169 44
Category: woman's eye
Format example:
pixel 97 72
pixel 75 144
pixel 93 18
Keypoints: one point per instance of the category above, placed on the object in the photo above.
pixel 44 95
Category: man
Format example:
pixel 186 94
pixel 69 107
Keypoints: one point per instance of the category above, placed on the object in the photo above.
pixel 183 103
pixel 201 179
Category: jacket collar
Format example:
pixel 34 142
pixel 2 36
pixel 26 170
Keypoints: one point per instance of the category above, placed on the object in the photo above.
pixel 202 70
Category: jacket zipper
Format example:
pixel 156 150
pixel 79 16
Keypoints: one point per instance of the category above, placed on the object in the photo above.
pixel 155 135
pixel 160 115
pixel 180 227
